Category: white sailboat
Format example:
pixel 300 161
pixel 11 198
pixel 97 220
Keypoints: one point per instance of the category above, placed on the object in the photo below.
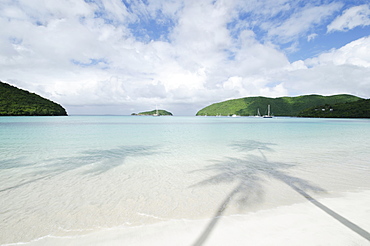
pixel 258 113
pixel 268 115
pixel 156 111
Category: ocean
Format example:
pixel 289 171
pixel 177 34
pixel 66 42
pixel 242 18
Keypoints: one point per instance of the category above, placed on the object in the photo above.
pixel 142 180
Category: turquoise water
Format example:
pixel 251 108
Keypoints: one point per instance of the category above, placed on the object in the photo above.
pixel 67 176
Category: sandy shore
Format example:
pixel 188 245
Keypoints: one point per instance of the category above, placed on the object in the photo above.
pixel 331 221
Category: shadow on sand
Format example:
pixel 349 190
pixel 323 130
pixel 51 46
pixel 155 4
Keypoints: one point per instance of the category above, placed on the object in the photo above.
pixel 95 161
pixel 249 173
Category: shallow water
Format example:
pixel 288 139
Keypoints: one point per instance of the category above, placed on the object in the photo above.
pixel 70 176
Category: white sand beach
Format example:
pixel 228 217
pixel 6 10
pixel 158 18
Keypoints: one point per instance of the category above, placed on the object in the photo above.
pixel 297 224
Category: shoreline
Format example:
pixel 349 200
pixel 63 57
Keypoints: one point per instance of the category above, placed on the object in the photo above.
pixel 297 224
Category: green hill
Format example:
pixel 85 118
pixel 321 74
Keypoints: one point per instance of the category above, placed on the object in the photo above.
pixel 18 102
pixel 357 109
pixel 281 106
pixel 161 112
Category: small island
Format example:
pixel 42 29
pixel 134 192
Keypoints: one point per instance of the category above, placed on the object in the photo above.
pixel 18 102
pixel 155 112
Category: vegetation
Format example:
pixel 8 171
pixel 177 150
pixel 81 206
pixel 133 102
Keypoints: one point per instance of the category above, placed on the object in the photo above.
pixel 357 109
pixel 160 112
pixel 281 106
pixel 18 102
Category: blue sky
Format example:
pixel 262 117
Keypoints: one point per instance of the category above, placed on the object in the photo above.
pixel 119 57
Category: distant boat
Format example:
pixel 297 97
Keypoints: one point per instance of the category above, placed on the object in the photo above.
pixel 258 113
pixel 268 115
pixel 234 115
pixel 156 111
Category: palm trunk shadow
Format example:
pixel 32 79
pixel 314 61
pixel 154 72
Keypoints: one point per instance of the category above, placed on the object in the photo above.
pixel 355 228
pixel 250 169
pixel 206 233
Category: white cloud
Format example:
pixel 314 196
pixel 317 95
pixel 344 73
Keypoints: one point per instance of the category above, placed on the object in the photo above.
pixel 233 83
pixel 330 79
pixel 301 22
pixel 311 37
pixel 356 53
pixel 85 55
pixel 343 70
pixel 263 10
pixel 351 18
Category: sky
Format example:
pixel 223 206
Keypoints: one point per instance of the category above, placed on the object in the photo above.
pixel 98 57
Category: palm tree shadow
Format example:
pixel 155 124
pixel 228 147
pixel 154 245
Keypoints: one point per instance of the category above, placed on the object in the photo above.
pixel 101 161
pixel 14 163
pixel 93 162
pixel 248 172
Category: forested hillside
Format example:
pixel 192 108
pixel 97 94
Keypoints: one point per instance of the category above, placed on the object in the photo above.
pixel 281 106
pixel 18 102
pixel 357 109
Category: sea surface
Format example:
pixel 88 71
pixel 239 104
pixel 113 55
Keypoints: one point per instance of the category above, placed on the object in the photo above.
pixel 142 180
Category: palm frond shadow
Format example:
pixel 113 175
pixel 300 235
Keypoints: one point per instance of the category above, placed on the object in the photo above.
pixel 14 163
pixel 101 161
pixel 95 162
pixel 248 172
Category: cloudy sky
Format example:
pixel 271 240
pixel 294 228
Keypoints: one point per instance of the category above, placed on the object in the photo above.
pixel 124 56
